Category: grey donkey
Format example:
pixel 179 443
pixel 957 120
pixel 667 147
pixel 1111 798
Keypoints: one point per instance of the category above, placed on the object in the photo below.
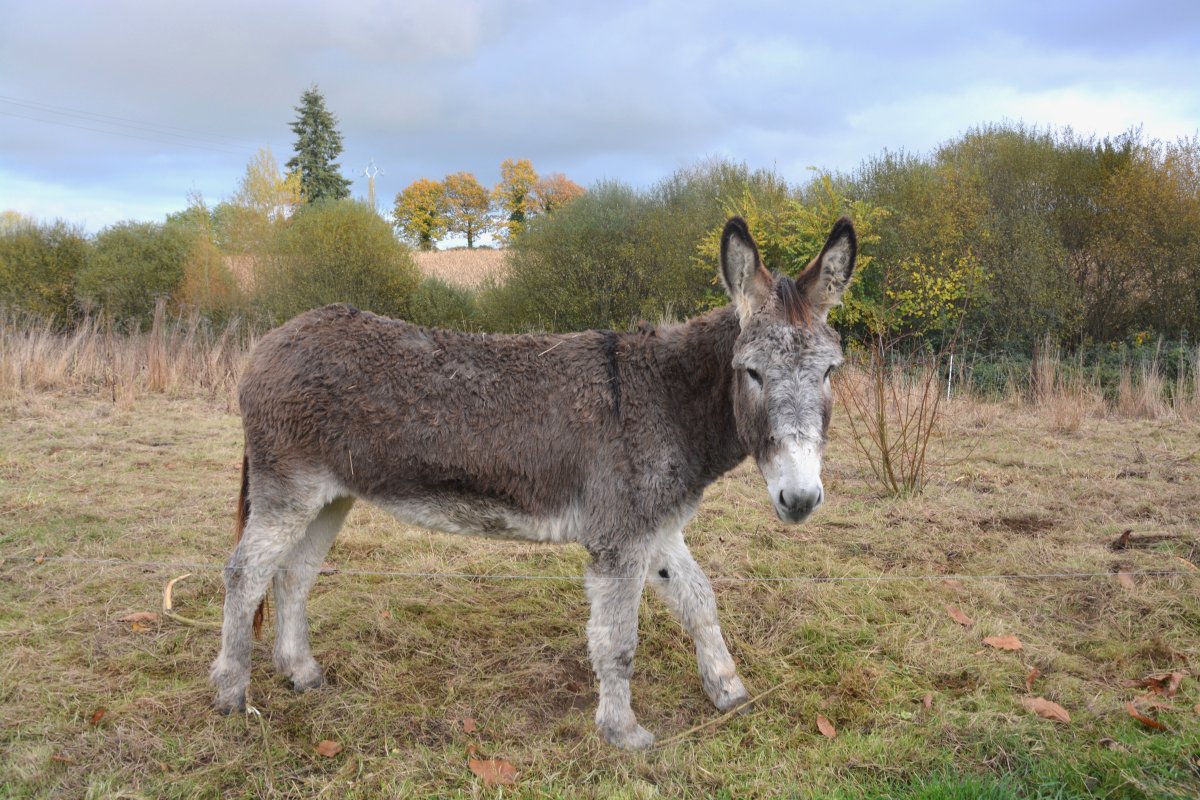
pixel 601 438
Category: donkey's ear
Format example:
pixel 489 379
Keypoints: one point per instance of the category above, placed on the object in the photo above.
pixel 746 279
pixel 826 278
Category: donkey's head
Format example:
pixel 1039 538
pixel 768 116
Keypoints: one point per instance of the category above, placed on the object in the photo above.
pixel 782 361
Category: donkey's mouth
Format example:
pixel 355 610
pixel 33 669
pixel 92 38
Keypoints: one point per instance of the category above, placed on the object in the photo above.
pixel 796 506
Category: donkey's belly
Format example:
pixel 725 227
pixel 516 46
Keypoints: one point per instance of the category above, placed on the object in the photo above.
pixel 482 516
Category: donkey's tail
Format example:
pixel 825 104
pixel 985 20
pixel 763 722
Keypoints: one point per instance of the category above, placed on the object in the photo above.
pixel 243 513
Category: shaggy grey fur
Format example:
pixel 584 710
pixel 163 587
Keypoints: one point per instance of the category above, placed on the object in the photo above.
pixel 601 438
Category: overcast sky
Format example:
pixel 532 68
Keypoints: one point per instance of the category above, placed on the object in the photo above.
pixel 117 110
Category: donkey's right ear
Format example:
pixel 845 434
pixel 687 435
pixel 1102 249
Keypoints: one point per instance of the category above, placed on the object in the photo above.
pixel 746 279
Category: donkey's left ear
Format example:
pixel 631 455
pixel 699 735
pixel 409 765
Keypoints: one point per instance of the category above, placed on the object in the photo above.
pixel 826 278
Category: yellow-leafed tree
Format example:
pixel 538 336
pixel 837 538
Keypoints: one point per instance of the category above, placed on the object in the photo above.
pixel 467 205
pixel 420 213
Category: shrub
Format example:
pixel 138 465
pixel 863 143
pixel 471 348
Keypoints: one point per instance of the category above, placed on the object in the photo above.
pixel 131 267
pixel 39 266
pixel 336 251
pixel 438 304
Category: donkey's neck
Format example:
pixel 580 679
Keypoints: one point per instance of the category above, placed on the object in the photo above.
pixel 696 362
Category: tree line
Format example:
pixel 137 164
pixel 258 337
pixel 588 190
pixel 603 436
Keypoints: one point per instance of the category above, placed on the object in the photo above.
pixel 1005 236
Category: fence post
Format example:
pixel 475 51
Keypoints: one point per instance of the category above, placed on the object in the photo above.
pixel 950 377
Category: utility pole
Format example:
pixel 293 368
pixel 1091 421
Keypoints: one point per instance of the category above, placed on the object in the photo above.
pixel 371 171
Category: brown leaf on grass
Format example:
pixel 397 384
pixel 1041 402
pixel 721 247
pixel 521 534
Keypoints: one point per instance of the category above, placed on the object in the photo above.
pixel 1149 722
pixel 140 616
pixel 1126 581
pixel 138 627
pixel 826 727
pixel 1164 683
pixel 468 724
pixel 954 584
pixel 1003 642
pixel 39 560
pixel 1122 541
pixel 62 759
pixel 959 617
pixel 98 715
pixel 927 700
pixel 328 748
pixel 1111 744
pixel 1030 678
pixel 1189 565
pixel 494 771
pixel 1047 709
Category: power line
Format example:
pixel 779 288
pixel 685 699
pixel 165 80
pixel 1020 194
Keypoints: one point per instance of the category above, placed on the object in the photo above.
pixel 123 133
pixel 126 122
pixel 145 132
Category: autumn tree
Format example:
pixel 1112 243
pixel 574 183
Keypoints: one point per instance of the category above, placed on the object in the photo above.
pixel 553 191
pixel 420 213
pixel 265 197
pixel 514 195
pixel 467 205
pixel 318 144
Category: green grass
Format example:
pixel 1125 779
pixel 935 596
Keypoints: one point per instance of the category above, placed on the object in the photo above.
pixel 153 479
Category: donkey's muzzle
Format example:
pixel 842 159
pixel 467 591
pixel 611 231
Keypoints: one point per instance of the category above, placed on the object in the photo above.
pixel 795 506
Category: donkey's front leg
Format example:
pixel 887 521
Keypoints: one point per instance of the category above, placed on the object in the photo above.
pixel 685 587
pixel 615 594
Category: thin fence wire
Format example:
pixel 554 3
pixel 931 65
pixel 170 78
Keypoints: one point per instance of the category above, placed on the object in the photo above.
pixel 334 570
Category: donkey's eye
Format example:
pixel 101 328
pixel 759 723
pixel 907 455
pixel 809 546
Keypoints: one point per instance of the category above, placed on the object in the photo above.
pixel 754 376
pixel 828 372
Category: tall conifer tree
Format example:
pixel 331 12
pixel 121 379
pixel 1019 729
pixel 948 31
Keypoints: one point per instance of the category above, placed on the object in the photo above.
pixel 318 144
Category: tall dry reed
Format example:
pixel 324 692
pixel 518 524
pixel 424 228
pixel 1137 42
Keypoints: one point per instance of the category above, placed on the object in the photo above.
pixel 177 355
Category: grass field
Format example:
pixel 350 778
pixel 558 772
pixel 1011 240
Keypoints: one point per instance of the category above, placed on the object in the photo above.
pixel 97 706
pixel 462 267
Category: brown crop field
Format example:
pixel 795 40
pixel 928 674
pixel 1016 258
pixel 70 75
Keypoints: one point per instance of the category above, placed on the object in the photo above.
pixel 462 267
pixel 864 633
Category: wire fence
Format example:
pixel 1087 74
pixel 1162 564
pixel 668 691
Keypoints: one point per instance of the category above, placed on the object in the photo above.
pixel 328 569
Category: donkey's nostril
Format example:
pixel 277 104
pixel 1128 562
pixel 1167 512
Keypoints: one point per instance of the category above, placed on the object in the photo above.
pixel 797 505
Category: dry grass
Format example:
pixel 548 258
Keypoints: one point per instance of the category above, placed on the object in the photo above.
pixel 1064 396
pixel 462 267
pixel 153 478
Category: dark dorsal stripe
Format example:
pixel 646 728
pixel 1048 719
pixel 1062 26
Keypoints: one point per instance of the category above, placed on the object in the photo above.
pixel 614 375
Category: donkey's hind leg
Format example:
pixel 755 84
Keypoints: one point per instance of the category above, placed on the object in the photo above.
pixel 688 593
pixel 293 581
pixel 276 523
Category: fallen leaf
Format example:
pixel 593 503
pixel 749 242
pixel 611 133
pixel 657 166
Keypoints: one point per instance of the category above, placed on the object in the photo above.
pixel 1111 744
pixel 468 725
pixel 328 748
pixel 1196 708
pixel 138 627
pixel 494 771
pixel 1030 678
pixel 1003 642
pixel 1126 581
pixel 927 700
pixel 954 584
pixel 140 616
pixel 1149 722
pixel 1190 566
pixel 386 614
pixel 959 617
pixel 826 727
pixel 98 715
pixel 63 759
pixel 39 559
pixel 1047 709
pixel 1122 541
pixel 1164 683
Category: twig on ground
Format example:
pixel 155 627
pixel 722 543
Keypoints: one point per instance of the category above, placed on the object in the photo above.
pixel 679 737
pixel 166 606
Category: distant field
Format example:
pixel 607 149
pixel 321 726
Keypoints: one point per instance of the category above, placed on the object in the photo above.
pixel 462 267
pixel 850 617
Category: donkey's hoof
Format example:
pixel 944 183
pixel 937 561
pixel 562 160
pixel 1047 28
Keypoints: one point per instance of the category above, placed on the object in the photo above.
pixel 728 695
pixel 303 683
pixel 231 702
pixel 635 738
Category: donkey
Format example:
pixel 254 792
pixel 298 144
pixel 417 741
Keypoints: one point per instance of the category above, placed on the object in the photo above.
pixel 601 438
